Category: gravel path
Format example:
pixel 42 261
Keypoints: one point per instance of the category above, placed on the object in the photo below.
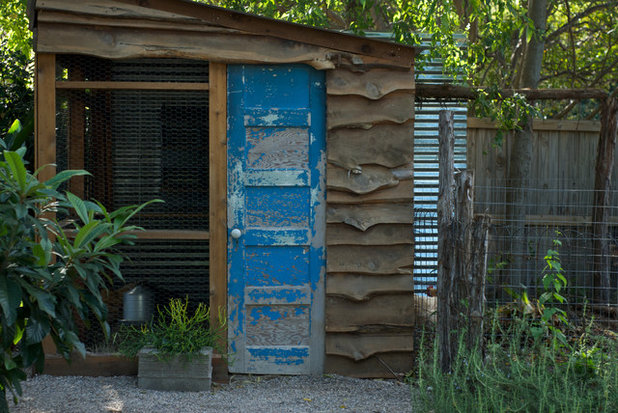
pixel 244 394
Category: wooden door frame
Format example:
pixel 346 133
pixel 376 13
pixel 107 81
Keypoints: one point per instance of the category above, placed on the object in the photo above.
pixel 217 166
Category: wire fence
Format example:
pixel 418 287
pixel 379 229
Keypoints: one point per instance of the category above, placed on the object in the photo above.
pixel 556 224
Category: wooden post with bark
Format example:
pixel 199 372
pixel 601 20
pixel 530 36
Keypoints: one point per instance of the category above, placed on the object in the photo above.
pixel 446 256
pixel 462 254
pixel 600 212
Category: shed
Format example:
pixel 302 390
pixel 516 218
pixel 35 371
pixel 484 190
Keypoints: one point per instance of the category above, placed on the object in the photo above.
pixel 283 152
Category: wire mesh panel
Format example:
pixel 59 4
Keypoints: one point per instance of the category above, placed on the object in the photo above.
pixel 141 143
pixel 556 220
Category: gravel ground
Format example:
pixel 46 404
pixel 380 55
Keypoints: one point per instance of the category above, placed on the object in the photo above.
pixel 244 394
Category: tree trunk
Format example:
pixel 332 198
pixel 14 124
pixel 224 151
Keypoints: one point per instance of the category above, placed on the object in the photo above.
pixel 521 152
pixel 600 211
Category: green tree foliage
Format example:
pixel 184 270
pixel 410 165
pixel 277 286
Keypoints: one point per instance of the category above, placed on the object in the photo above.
pixel 14 26
pixel 50 272
pixel 580 41
pixel 16 97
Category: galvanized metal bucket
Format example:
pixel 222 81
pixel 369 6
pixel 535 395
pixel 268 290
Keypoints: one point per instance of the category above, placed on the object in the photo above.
pixel 138 304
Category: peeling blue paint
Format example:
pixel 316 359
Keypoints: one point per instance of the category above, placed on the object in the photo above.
pixel 276 195
pixel 280 355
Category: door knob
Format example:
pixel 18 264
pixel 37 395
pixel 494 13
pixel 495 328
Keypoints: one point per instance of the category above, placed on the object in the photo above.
pixel 236 233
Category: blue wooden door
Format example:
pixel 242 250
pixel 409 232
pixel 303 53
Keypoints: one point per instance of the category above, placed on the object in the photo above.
pixel 276 219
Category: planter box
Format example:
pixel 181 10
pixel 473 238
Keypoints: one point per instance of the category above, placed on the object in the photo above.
pixel 175 374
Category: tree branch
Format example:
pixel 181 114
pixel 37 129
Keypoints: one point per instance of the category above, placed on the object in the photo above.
pixel 575 20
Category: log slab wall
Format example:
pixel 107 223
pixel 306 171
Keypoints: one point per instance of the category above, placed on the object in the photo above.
pixel 369 288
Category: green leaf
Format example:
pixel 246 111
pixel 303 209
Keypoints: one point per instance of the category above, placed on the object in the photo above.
pixel 45 300
pixel 89 232
pixel 18 170
pixel 79 207
pixel 106 242
pixel 63 176
pixel 36 329
pixel 10 298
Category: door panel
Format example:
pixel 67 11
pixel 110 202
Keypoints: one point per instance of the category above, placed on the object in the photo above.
pixel 276 181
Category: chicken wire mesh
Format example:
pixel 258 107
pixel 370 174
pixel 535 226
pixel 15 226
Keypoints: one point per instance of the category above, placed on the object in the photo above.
pixel 141 145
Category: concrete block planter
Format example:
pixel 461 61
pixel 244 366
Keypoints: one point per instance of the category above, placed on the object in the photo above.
pixel 175 374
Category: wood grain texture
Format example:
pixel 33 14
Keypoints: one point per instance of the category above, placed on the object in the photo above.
pixel 357 111
pixel 361 347
pixel 362 287
pixel 377 366
pixel 380 313
pixel 382 234
pixel 362 180
pixel 402 192
pixel 119 42
pixel 107 8
pixel 364 217
pixel 397 54
pixel 372 84
pixel 387 145
pixel 391 259
pixel 142 22
pixel 45 118
pixel 218 191
pixel 291 329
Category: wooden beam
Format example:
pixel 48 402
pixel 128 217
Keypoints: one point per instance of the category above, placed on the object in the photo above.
pixel 45 118
pixel 445 91
pixel 218 192
pixel 120 42
pixel 542 124
pixel 68 84
pixel 397 53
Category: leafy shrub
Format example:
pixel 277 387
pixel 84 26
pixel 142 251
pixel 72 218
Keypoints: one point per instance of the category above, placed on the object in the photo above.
pixel 174 332
pixel 50 272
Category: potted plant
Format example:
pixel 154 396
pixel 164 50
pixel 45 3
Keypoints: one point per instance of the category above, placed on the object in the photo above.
pixel 175 350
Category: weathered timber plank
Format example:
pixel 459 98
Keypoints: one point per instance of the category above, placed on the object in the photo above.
pixel 357 111
pixel 373 84
pixel 182 23
pixel 383 234
pixel 362 180
pixel 108 8
pixel 360 347
pixel 383 259
pixel 218 192
pixel 377 366
pixel 127 43
pixel 366 216
pixel 361 287
pixel 398 54
pixel 402 192
pixel 380 313
pixel 386 145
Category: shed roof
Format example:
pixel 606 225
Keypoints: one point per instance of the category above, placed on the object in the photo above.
pixel 194 13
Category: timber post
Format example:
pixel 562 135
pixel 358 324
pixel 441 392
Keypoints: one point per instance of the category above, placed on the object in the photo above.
pixel 446 259
pixel 462 254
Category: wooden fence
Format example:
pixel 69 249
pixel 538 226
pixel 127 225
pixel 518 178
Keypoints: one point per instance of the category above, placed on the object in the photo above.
pixel 559 197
